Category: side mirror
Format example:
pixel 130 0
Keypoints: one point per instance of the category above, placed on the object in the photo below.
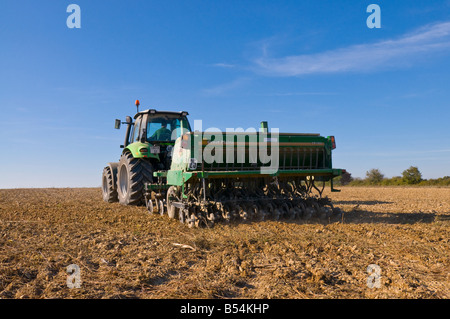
pixel 117 124
pixel 129 120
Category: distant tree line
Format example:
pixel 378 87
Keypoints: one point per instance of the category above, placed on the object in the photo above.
pixel 410 176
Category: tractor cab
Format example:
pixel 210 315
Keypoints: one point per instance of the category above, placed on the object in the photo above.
pixel 158 127
pixel 152 135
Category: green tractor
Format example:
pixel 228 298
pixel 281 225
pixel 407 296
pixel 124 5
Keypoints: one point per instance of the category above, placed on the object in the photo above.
pixel 203 177
pixel 148 146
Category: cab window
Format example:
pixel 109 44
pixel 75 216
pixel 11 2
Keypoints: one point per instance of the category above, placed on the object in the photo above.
pixel 136 130
pixel 165 128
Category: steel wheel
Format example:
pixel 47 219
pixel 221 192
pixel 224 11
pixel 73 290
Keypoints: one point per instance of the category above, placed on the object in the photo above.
pixel 172 196
pixel 160 205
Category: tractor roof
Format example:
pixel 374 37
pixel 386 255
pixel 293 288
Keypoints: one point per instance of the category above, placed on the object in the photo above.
pixel 153 111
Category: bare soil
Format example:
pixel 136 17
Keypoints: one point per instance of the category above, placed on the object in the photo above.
pixel 125 252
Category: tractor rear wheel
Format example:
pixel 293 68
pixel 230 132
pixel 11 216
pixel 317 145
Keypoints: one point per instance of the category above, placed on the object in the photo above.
pixel 109 190
pixel 132 173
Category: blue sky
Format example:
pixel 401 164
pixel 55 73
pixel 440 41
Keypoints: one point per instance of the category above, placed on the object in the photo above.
pixel 304 66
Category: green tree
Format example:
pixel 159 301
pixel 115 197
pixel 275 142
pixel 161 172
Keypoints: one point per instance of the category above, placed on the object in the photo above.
pixel 374 176
pixel 412 175
pixel 346 178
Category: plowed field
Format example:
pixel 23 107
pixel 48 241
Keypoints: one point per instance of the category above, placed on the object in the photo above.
pixel 125 252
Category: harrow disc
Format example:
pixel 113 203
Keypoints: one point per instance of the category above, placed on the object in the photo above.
pixel 242 200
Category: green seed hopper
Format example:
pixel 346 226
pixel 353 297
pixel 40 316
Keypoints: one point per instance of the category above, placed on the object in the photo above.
pixel 225 176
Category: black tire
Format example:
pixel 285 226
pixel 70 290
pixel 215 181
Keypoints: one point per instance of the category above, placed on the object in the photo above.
pixel 132 173
pixel 109 190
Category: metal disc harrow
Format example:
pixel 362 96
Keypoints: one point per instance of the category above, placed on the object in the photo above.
pixel 206 202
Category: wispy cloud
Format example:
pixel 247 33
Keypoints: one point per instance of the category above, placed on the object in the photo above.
pixel 363 57
pixel 225 87
pixel 299 94
pixel 423 94
pixel 224 65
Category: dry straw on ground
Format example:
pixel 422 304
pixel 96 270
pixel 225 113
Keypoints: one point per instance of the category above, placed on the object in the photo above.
pixel 124 252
